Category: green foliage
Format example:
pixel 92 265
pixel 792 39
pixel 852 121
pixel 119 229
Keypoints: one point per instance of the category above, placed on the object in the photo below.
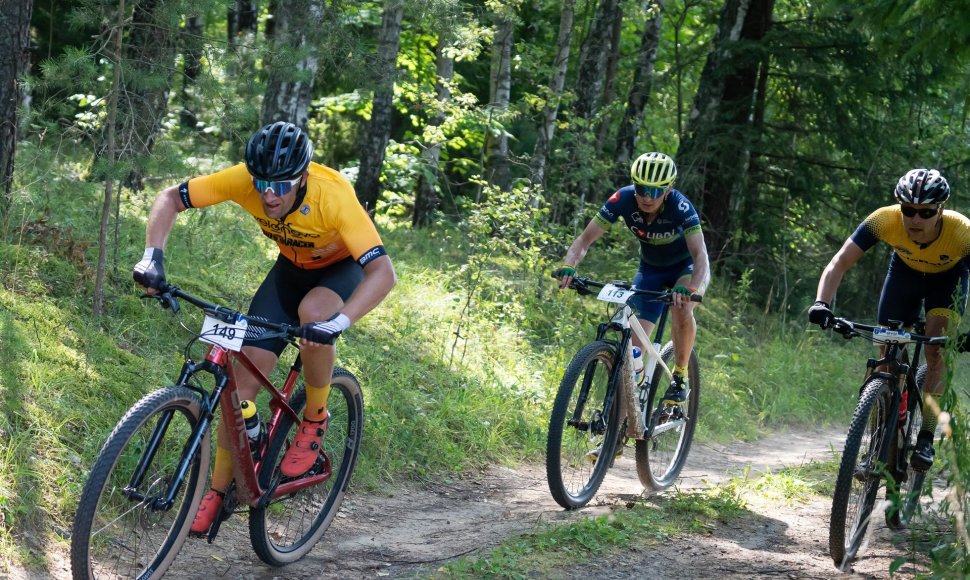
pixel 553 551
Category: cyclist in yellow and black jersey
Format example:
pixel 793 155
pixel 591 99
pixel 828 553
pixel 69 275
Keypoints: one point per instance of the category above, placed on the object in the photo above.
pixel 928 270
pixel 332 269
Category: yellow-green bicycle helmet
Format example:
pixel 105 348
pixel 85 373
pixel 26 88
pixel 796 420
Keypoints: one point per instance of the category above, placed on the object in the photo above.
pixel 653 170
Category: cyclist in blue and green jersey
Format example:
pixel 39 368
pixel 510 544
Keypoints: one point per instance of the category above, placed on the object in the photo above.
pixel 672 254
pixel 928 270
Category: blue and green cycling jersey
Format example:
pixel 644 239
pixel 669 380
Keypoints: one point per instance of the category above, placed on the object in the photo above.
pixel 663 241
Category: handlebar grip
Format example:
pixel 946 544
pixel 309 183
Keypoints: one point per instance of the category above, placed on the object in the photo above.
pixel 696 298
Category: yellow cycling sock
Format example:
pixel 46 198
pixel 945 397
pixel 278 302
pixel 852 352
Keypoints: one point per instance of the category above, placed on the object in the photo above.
pixel 316 403
pixel 222 471
pixel 680 370
pixel 930 418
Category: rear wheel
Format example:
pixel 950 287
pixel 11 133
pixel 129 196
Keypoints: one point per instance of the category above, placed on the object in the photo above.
pixel 661 458
pixel 578 427
pixel 124 528
pixel 285 530
pixel 860 472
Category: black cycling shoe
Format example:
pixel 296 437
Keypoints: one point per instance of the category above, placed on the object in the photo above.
pixel 923 454
pixel 676 393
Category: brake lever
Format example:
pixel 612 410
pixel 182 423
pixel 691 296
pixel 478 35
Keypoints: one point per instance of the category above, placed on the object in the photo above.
pixel 166 300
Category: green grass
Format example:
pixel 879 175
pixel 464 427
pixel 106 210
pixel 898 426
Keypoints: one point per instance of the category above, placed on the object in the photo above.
pixel 557 549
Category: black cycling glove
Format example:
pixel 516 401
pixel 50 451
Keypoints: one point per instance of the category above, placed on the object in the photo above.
pixel 326 332
pixel 821 314
pixel 150 271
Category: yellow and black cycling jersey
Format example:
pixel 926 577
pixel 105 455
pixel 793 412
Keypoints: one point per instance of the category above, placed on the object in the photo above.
pixel 326 224
pixel 940 255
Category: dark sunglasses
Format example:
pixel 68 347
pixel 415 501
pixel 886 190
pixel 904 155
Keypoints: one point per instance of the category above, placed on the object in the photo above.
pixel 924 212
pixel 280 188
pixel 647 191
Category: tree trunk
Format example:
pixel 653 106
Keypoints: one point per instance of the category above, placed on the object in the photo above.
pixel 499 171
pixel 551 108
pixel 293 62
pixel 609 83
pixel 714 153
pixel 14 42
pixel 192 67
pixel 426 199
pixel 378 132
pixel 636 102
pixel 242 20
pixel 592 66
pixel 147 61
pixel 111 153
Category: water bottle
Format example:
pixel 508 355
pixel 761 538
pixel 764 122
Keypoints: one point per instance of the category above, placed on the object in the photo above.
pixel 638 373
pixel 254 428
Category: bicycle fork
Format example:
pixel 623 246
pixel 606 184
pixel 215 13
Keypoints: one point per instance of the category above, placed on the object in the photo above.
pixel 166 501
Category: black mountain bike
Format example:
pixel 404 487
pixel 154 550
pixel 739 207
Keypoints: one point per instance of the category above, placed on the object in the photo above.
pixel 882 435
pixel 598 403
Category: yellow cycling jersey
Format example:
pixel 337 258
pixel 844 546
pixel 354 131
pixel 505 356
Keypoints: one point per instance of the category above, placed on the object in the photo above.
pixel 327 225
pixel 940 255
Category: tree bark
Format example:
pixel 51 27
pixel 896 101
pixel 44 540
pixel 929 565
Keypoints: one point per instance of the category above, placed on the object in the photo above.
pixel 499 170
pixel 714 154
pixel 551 108
pixel 14 60
pixel 426 199
pixel 636 102
pixel 593 60
pixel 242 21
pixel 191 68
pixel 293 63
pixel 368 185
pixel 609 83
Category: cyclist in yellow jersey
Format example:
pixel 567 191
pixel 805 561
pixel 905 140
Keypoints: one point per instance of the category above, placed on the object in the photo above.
pixel 332 270
pixel 928 269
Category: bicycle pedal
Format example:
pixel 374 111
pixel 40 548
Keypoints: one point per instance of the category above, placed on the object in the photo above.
pixel 321 465
pixel 229 504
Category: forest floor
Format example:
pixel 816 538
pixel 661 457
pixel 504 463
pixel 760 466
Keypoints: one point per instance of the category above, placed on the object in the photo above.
pixel 413 530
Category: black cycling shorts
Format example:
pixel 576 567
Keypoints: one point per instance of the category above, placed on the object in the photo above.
pixel 907 291
pixel 279 296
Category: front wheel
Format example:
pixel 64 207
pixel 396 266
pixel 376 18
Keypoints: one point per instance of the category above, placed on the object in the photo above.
pixel 123 528
pixel 285 530
pixel 582 437
pixel 661 457
pixel 860 471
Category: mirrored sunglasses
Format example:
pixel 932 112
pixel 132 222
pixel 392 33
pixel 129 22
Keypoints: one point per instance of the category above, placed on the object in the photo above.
pixel 280 188
pixel 923 212
pixel 647 191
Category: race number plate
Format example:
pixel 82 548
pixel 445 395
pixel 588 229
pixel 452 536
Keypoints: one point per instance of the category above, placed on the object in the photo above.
pixel 228 336
pixel 894 336
pixel 611 293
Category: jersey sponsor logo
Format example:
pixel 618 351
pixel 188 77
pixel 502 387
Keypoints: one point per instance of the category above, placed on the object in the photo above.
pixel 184 194
pixel 305 210
pixel 645 235
pixel 282 228
pixel 287 241
pixel 371 255
pixel 637 217
pixel 944 258
pixel 615 197
pixel 683 205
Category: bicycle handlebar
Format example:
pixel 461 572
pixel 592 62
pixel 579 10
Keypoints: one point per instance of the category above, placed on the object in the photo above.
pixel 881 334
pixel 581 285
pixel 169 295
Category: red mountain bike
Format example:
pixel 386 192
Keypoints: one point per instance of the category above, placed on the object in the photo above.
pixel 145 487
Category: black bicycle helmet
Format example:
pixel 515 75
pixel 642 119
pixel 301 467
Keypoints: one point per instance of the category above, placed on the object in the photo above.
pixel 278 152
pixel 922 186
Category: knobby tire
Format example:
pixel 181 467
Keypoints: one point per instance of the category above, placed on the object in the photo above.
pixel 855 493
pixel 572 476
pixel 287 529
pixel 661 458
pixel 116 536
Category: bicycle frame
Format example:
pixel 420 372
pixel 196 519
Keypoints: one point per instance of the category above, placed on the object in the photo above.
pixel 623 373
pixel 220 362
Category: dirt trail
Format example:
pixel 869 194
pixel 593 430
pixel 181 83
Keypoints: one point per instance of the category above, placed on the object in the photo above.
pixel 419 527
